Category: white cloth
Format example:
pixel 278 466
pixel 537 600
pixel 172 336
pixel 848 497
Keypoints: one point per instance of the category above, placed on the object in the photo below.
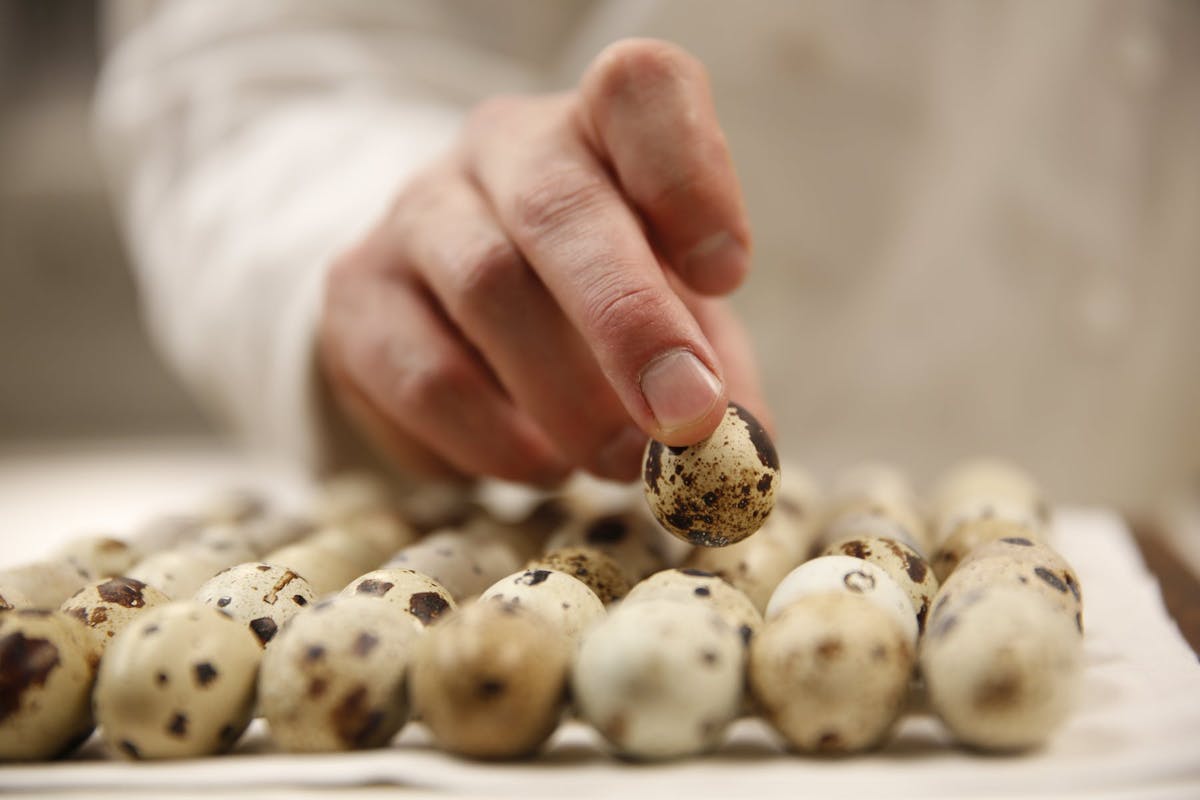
pixel 974 221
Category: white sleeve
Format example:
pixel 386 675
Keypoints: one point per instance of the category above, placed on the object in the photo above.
pixel 247 144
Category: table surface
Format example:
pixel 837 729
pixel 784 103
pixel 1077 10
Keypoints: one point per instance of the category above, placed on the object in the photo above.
pixel 1136 733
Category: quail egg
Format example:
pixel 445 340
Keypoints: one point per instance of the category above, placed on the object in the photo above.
pixel 597 569
pixel 178 573
pixel 564 602
pixel 831 673
pixel 43 584
pixel 660 679
pixel 335 677
pixel 47 666
pixel 1001 667
pixel 261 596
pixel 629 538
pixel 755 566
pixel 489 681
pixel 98 556
pixel 973 533
pixel 697 586
pixel 178 681
pixel 107 606
pixel 419 596
pixel 719 490
pixel 326 570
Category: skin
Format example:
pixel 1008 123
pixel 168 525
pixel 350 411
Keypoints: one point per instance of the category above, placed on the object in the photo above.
pixel 503 317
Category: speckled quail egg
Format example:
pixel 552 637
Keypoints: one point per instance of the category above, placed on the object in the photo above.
pixel 335 677
pixel 629 538
pixel 972 534
pixel 47 666
pixel 107 606
pixel 178 681
pixel 1001 667
pixel 755 566
pixel 831 673
pixel 261 596
pixel 660 679
pixel 564 602
pixel 697 586
pixel 489 681
pixel 719 490
pixel 98 556
pixel 326 570
pixel 869 483
pixel 1041 570
pixel 597 569
pixel 420 596
pixel 347 494
pixel 846 574
pixel 901 562
pixel 43 584
pixel 177 573
pixel 1025 550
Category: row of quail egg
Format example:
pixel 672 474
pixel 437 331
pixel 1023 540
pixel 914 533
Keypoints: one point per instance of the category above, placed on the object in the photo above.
pixel 821 614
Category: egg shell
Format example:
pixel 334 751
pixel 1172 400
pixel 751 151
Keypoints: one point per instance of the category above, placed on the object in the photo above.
pixel 1001 667
pixel 660 679
pixel 178 573
pixel 523 539
pixel 563 602
pixel 346 494
pixel 754 566
pixel 326 570
pixel 846 574
pixel 178 681
pixel 98 556
pixel 798 493
pixel 601 573
pixel 419 596
pixel 975 533
pixel 334 679
pixel 43 584
pixel 225 544
pixel 108 605
pixel 831 673
pixel 490 681
pixel 629 538
pixel 901 562
pixel 1044 573
pixel 793 526
pixel 719 490
pixel 697 586
pixel 260 596
pixel 47 667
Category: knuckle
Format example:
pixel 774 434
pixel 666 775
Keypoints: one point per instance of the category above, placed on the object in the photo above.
pixel 617 306
pixel 485 273
pixel 557 198
pixel 493 111
pixel 430 384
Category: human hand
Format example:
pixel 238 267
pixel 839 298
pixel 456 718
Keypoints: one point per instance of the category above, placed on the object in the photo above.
pixel 545 296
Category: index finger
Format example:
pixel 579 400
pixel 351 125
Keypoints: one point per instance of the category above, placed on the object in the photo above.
pixel 573 226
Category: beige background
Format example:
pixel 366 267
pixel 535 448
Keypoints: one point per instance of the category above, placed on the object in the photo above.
pixel 975 232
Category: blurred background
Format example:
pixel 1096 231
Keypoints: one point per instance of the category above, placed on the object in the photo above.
pixel 77 363
pixel 1090 212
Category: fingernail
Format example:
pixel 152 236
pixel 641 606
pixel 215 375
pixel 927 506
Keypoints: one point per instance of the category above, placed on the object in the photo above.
pixel 715 258
pixel 620 459
pixel 679 389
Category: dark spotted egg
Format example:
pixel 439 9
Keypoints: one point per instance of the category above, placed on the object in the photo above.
pixel 108 605
pixel 260 596
pixel 717 491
